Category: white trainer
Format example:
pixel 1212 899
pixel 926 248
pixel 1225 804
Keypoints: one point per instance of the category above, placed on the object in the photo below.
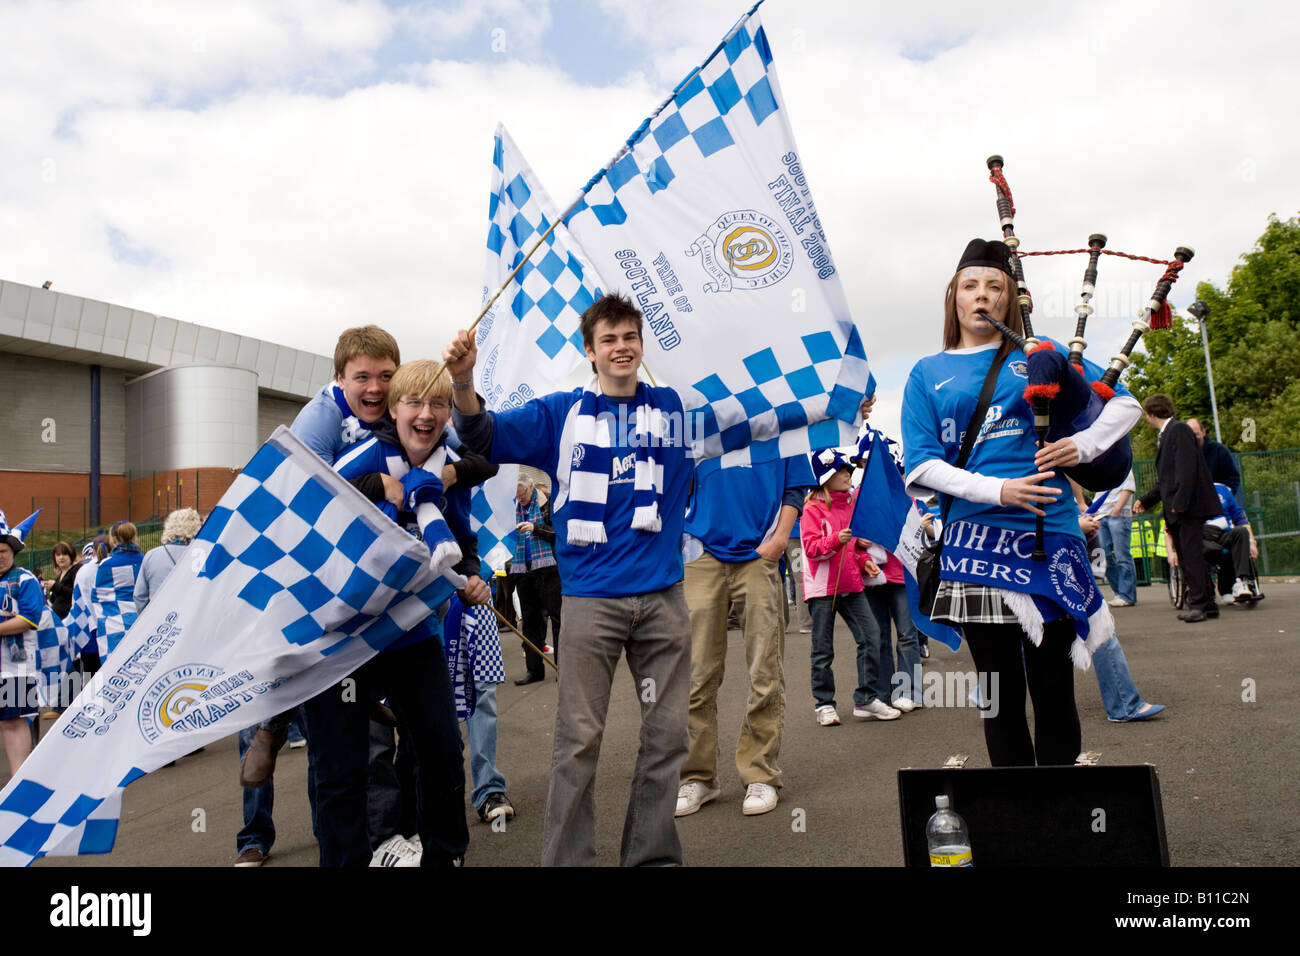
pixel 691 796
pixel 827 717
pixel 1239 588
pixel 759 798
pixel 397 851
pixel 905 704
pixel 878 709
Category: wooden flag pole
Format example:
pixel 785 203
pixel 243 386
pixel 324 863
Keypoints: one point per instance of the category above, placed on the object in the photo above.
pixel 501 618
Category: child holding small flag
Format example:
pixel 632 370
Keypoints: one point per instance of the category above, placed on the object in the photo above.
pixel 834 562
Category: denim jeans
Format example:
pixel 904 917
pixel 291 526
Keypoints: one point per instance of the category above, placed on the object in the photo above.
pixel 856 612
pixel 383 787
pixel 418 687
pixel 1120 698
pixel 654 630
pixel 890 601
pixel 259 829
pixel 482 730
pixel 794 570
pixel 1116 545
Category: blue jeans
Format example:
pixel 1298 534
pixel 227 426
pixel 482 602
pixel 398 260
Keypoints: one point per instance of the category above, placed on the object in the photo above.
pixel 416 682
pixel 1120 698
pixel 482 729
pixel 1116 545
pixel 856 612
pixel 259 828
pixel 890 601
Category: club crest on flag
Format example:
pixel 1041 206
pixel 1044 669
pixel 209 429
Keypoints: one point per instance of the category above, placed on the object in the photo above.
pixel 743 249
pixel 766 388
pixel 169 698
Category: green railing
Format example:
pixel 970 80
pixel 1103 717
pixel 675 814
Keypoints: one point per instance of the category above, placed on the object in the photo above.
pixel 40 560
pixel 1271 499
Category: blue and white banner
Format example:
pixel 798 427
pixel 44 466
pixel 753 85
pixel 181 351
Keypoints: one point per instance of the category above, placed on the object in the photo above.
pixel 293 582
pixel 887 515
pixel 529 342
pixel 706 219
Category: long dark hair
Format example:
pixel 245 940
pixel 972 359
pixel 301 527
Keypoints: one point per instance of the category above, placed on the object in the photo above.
pixel 952 328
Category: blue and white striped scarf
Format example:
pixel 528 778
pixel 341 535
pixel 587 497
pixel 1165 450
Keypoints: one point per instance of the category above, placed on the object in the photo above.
pixel 585 442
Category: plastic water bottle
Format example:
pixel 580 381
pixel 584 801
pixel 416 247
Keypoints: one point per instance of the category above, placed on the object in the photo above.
pixel 947 836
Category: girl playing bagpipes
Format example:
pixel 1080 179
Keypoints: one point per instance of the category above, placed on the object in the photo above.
pixel 1025 616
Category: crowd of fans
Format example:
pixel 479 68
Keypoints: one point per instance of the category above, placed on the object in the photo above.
pixel 654 557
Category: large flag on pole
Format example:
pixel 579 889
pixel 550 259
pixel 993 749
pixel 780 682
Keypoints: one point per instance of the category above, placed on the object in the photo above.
pixel 706 218
pixel 529 341
pixel 887 515
pixel 293 582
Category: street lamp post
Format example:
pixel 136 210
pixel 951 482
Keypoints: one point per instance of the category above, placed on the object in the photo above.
pixel 1202 311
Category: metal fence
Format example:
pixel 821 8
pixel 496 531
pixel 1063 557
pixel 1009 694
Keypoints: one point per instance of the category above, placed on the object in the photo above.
pixel 1270 483
pixel 39 558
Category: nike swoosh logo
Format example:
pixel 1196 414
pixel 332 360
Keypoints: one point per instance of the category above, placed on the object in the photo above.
pixel 943 383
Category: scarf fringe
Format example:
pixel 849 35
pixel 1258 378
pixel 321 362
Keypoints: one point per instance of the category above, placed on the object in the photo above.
pixel 589 437
pixel 1101 626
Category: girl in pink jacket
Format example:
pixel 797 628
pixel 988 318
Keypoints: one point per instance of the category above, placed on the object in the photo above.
pixel 832 581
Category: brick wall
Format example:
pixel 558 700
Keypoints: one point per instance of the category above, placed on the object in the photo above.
pixel 64 497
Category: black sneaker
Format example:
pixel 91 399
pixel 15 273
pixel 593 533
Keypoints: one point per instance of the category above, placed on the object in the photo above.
pixel 496 805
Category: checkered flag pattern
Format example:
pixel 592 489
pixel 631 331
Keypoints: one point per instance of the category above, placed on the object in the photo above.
pixel 786 402
pixel 529 342
pixel 308 563
pixel 492 517
pixel 35 820
pixel 553 287
pixel 707 217
pixel 486 663
pixel 53 649
pixel 80 623
pixel 293 583
pixel 114 614
pixel 729 95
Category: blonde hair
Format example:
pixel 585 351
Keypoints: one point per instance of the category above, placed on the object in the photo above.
pixel 124 532
pixel 181 525
pixel 417 377
pixel 367 340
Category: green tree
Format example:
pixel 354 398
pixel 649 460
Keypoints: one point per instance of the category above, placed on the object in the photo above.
pixel 1254 332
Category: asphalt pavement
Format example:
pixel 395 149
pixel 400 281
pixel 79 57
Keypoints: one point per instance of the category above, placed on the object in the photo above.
pixel 1224 751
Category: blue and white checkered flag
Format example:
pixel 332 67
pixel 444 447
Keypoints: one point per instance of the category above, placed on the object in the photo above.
pixel 887 515
pixel 529 342
pixel 707 220
pixel 114 612
pixel 54 654
pixel 293 582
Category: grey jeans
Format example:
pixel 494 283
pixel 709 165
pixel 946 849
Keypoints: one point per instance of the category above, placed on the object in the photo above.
pixel 655 632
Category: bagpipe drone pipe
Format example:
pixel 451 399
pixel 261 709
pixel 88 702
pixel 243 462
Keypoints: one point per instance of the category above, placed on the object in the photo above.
pixel 1063 400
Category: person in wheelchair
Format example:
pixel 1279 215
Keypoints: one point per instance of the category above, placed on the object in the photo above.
pixel 1230 547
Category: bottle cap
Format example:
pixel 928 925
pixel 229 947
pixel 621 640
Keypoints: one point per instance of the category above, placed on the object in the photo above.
pixel 941 802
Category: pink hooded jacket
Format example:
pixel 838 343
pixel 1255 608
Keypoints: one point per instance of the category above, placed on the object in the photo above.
pixel 827 568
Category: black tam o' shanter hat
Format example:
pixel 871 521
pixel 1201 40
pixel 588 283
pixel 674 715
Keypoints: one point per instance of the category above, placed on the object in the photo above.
pixel 992 253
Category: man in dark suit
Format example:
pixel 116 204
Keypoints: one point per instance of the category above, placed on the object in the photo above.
pixel 1184 486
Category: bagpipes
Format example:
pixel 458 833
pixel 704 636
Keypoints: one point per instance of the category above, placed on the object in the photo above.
pixel 1063 400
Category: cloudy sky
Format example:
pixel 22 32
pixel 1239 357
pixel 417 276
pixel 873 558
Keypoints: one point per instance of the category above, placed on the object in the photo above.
pixel 286 169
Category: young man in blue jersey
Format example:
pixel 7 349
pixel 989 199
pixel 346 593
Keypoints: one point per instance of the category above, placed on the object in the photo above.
pixel 740 520
pixel 620 473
